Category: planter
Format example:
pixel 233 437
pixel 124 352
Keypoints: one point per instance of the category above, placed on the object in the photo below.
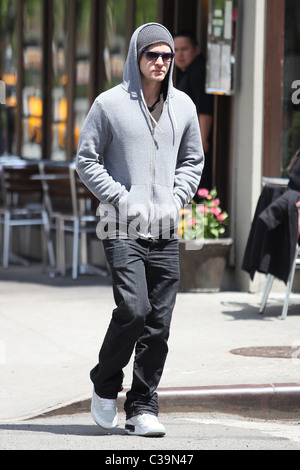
pixel 202 264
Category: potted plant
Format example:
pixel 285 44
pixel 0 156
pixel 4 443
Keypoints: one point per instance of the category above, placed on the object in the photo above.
pixel 202 249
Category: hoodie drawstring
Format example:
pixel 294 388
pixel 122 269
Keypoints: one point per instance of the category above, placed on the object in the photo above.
pixel 172 111
pixel 149 114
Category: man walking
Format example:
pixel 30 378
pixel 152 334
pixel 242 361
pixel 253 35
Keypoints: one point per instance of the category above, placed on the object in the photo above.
pixel 140 153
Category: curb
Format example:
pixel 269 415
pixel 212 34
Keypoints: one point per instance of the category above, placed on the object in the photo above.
pixel 268 401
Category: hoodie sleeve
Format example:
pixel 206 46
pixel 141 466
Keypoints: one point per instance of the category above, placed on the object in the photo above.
pixel 94 139
pixel 190 163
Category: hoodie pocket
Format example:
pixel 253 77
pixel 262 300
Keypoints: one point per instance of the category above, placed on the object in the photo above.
pixel 165 207
pixel 136 207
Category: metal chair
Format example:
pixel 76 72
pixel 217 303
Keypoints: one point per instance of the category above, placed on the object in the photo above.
pixel 296 263
pixel 72 209
pixel 269 283
pixel 22 205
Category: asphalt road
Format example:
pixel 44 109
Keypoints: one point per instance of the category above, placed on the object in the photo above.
pixel 187 434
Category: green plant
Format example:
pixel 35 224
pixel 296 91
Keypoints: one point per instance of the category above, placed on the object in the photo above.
pixel 203 220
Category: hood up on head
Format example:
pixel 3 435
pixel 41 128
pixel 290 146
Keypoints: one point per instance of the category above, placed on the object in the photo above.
pixel 144 36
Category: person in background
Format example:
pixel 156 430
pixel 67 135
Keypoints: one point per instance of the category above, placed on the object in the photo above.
pixel 191 73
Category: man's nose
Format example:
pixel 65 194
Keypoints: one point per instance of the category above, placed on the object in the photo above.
pixel 160 60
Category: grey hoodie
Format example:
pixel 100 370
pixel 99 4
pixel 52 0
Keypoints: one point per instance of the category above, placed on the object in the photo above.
pixel 142 171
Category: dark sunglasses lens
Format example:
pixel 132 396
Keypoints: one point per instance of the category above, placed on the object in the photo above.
pixel 167 57
pixel 153 56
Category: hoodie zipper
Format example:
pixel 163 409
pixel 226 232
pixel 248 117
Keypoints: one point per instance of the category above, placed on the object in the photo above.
pixel 151 179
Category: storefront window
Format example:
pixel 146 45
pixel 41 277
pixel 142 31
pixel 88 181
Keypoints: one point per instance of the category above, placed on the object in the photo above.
pixel 115 42
pixel 60 81
pixel 291 90
pixel 32 84
pixel 81 104
pixel 146 11
pixel 45 133
pixel 8 74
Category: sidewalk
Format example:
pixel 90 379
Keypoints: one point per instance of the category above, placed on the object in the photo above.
pixel 51 331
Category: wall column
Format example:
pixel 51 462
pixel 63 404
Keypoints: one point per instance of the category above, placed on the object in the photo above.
pixel 247 149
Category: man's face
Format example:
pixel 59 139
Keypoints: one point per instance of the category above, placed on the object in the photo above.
pixel 155 70
pixel 185 52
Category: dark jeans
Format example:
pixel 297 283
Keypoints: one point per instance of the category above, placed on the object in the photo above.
pixel 145 277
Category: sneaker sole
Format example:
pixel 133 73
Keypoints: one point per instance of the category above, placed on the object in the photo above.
pixel 135 432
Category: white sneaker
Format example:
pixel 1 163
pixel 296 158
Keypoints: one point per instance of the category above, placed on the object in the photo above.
pixel 144 424
pixel 104 411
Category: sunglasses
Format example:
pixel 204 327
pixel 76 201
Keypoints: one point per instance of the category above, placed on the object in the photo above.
pixel 154 56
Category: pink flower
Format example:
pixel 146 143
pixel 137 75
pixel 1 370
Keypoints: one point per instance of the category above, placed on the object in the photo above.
pixel 202 208
pixel 220 218
pixel 215 211
pixel 217 202
pixel 191 222
pixel 202 192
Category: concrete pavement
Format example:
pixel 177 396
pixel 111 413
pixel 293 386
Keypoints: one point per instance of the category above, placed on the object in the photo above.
pixel 223 355
pixel 187 435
